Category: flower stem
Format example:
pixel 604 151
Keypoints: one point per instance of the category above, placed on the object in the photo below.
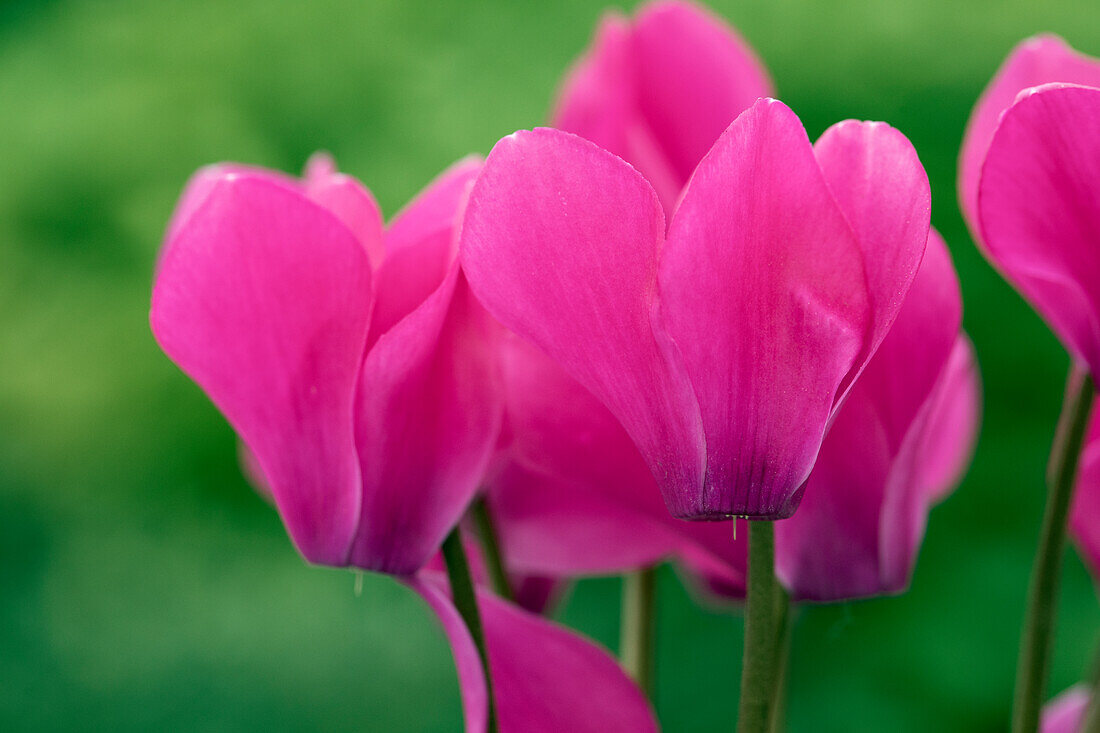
pixel 1036 641
pixel 465 600
pixel 782 658
pixel 490 545
pixel 758 670
pixel 638 627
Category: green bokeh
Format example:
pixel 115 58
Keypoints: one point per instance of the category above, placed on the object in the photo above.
pixel 142 583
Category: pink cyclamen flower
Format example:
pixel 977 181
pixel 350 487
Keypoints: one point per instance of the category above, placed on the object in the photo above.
pixel 357 370
pixel 1066 713
pixel 1028 184
pixel 1035 61
pixel 572 494
pixel 658 90
pixel 723 348
pixel 898 445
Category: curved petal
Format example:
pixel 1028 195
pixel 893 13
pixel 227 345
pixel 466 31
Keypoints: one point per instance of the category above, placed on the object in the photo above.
pixel 1065 713
pixel 659 91
pixel 600 102
pixel 575 496
pixel 598 97
pixel 762 289
pixel 471 677
pixel 349 200
pixel 574 686
pixel 878 181
pixel 200 185
pixel 263 298
pixel 420 247
pixel 433 211
pixel 1084 518
pixel 953 422
pixel 546 678
pixel 427 417
pixel 695 76
pixel 1038 60
pixel 1039 213
pixel 560 243
pixel 862 515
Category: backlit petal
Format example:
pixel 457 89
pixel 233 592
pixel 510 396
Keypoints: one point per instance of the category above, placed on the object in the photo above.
pixel 762 289
pixel 1039 207
pixel 263 298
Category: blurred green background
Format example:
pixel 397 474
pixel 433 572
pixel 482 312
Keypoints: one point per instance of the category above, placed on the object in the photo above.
pixel 144 585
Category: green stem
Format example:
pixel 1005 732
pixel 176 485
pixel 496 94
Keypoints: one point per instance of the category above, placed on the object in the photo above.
pixel 1036 641
pixel 465 600
pixel 758 670
pixel 783 613
pixel 638 627
pixel 490 545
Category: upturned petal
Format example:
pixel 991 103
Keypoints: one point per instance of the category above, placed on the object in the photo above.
pixel 420 246
pixel 862 517
pixel 953 422
pixel 1038 60
pixel 1066 713
pixel 426 422
pixel 560 243
pixel 762 288
pixel 263 298
pixel 878 181
pixel 349 200
pixel 659 90
pixel 546 678
pixel 695 76
pixel 1039 210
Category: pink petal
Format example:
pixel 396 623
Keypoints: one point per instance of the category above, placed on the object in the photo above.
pixel 349 200
pixel 598 98
pixel 1084 518
pixel 1065 713
pixel 659 91
pixel 1039 210
pixel 575 496
pixel 763 291
pixel 1037 60
pixel 695 75
pixel 471 677
pixel 421 245
pixel 560 243
pixel 263 298
pixel 600 102
pixel 878 181
pixel 432 212
pixel 953 422
pixel 427 417
pixel 546 678
pixel 862 516
pixel 200 185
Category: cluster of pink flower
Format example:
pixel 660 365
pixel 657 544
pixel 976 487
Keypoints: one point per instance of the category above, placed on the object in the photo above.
pixel 670 306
